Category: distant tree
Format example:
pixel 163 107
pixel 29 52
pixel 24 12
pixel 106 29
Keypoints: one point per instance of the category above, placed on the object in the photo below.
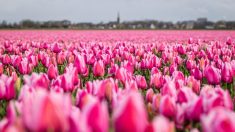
pixel 27 23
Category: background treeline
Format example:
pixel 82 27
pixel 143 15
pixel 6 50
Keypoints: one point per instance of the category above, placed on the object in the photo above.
pixel 200 23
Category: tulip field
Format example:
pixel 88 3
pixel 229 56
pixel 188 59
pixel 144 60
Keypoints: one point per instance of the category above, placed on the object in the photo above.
pixel 117 81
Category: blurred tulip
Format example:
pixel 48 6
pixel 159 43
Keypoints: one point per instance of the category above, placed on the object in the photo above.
pixel 52 72
pixel 226 73
pixel 212 75
pixel 141 82
pixel 167 106
pixel 162 124
pixel 125 115
pixel 99 69
pixel 218 120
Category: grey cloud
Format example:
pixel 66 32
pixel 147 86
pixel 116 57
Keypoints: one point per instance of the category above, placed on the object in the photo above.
pixel 106 10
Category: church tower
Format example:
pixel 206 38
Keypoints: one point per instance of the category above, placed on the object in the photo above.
pixel 118 18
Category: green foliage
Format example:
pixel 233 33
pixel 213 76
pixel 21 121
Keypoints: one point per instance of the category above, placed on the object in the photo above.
pixel 3 107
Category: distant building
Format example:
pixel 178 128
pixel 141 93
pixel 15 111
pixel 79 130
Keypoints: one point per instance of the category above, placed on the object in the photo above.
pixel 118 18
pixel 189 25
pixel 202 20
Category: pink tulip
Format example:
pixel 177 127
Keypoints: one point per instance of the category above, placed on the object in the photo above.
pixel 73 72
pixel 229 41
pixel 36 81
pixel 218 120
pixel 125 115
pixel 107 89
pixel 156 80
pixel 185 95
pixel 6 59
pixel 226 73
pixel 169 89
pixel 162 124
pixel 190 40
pixel 56 48
pixel 123 75
pixel 212 75
pixel 167 106
pixel 7 87
pixel 98 110
pixel 80 64
pixel 43 111
pixel 194 84
pixel 149 95
pixel 196 73
pixel 1 68
pixel 156 102
pixel 52 72
pixel 141 82
pixel 61 57
pixel 24 67
pixel 99 69
pixel 194 109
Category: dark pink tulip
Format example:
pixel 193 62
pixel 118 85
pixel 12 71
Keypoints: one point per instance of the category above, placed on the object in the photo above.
pixel 16 61
pixel 172 68
pixel 128 66
pixel 229 41
pixel 190 64
pixel 90 59
pixel 218 120
pixel 185 95
pixel 80 64
pixel 190 40
pixel 10 88
pixel 6 59
pixel 112 70
pixel 194 110
pixel 24 66
pixel 7 87
pixel 98 110
pixel 162 124
pixel 99 69
pixel 196 73
pixel 126 113
pixel 167 106
pixel 226 73
pixel 141 82
pixel 154 70
pixel 212 75
pixel 181 50
pixel 52 72
pixel 56 48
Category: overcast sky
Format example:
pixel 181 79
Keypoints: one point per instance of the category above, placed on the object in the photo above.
pixel 106 10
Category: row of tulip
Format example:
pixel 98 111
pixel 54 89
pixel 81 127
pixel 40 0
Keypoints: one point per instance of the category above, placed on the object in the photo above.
pixel 103 83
